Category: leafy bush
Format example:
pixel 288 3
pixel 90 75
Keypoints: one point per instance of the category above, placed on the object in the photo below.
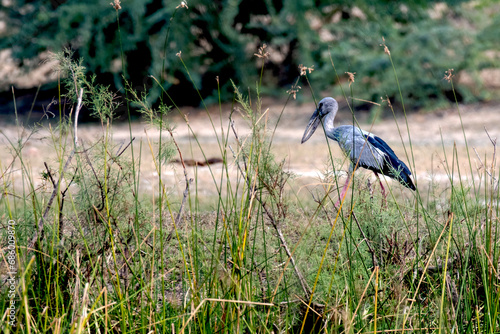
pixel 219 38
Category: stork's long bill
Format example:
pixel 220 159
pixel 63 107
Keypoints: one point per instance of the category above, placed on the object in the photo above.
pixel 311 126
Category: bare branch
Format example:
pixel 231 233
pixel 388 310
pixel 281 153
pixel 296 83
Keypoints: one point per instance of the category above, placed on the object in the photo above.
pixel 39 230
pixel 186 190
pixel 78 107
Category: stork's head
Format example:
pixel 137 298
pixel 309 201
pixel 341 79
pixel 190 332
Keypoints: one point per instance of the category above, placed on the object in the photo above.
pixel 327 106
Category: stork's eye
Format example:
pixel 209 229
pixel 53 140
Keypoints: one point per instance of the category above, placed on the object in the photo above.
pixel 320 108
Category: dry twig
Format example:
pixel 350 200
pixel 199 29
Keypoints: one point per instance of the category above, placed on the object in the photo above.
pixel 39 230
pixel 186 190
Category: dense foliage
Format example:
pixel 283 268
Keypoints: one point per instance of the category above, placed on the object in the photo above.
pixel 424 38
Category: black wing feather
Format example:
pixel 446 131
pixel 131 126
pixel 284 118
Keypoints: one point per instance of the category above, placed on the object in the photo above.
pixel 393 167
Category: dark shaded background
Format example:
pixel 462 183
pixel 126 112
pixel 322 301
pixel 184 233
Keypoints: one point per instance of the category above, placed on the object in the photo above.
pixel 220 38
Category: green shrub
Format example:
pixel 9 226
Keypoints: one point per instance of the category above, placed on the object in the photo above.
pixel 219 38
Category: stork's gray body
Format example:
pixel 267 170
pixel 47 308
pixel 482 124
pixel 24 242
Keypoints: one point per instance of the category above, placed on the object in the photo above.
pixel 353 143
pixel 364 149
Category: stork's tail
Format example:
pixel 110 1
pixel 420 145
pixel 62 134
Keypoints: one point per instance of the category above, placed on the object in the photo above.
pixel 401 172
pixel 405 179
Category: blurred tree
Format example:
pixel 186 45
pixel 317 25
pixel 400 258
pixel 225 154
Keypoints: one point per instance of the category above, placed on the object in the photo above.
pixel 219 38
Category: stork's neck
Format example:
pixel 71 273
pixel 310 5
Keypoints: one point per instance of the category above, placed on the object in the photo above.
pixel 328 124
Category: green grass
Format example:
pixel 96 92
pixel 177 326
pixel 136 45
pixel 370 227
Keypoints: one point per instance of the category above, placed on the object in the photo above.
pixel 256 258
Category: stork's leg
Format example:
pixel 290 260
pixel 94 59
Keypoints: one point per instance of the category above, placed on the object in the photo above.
pixel 382 187
pixel 344 189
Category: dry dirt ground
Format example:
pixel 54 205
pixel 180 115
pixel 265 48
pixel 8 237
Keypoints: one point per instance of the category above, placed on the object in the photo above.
pixel 433 136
